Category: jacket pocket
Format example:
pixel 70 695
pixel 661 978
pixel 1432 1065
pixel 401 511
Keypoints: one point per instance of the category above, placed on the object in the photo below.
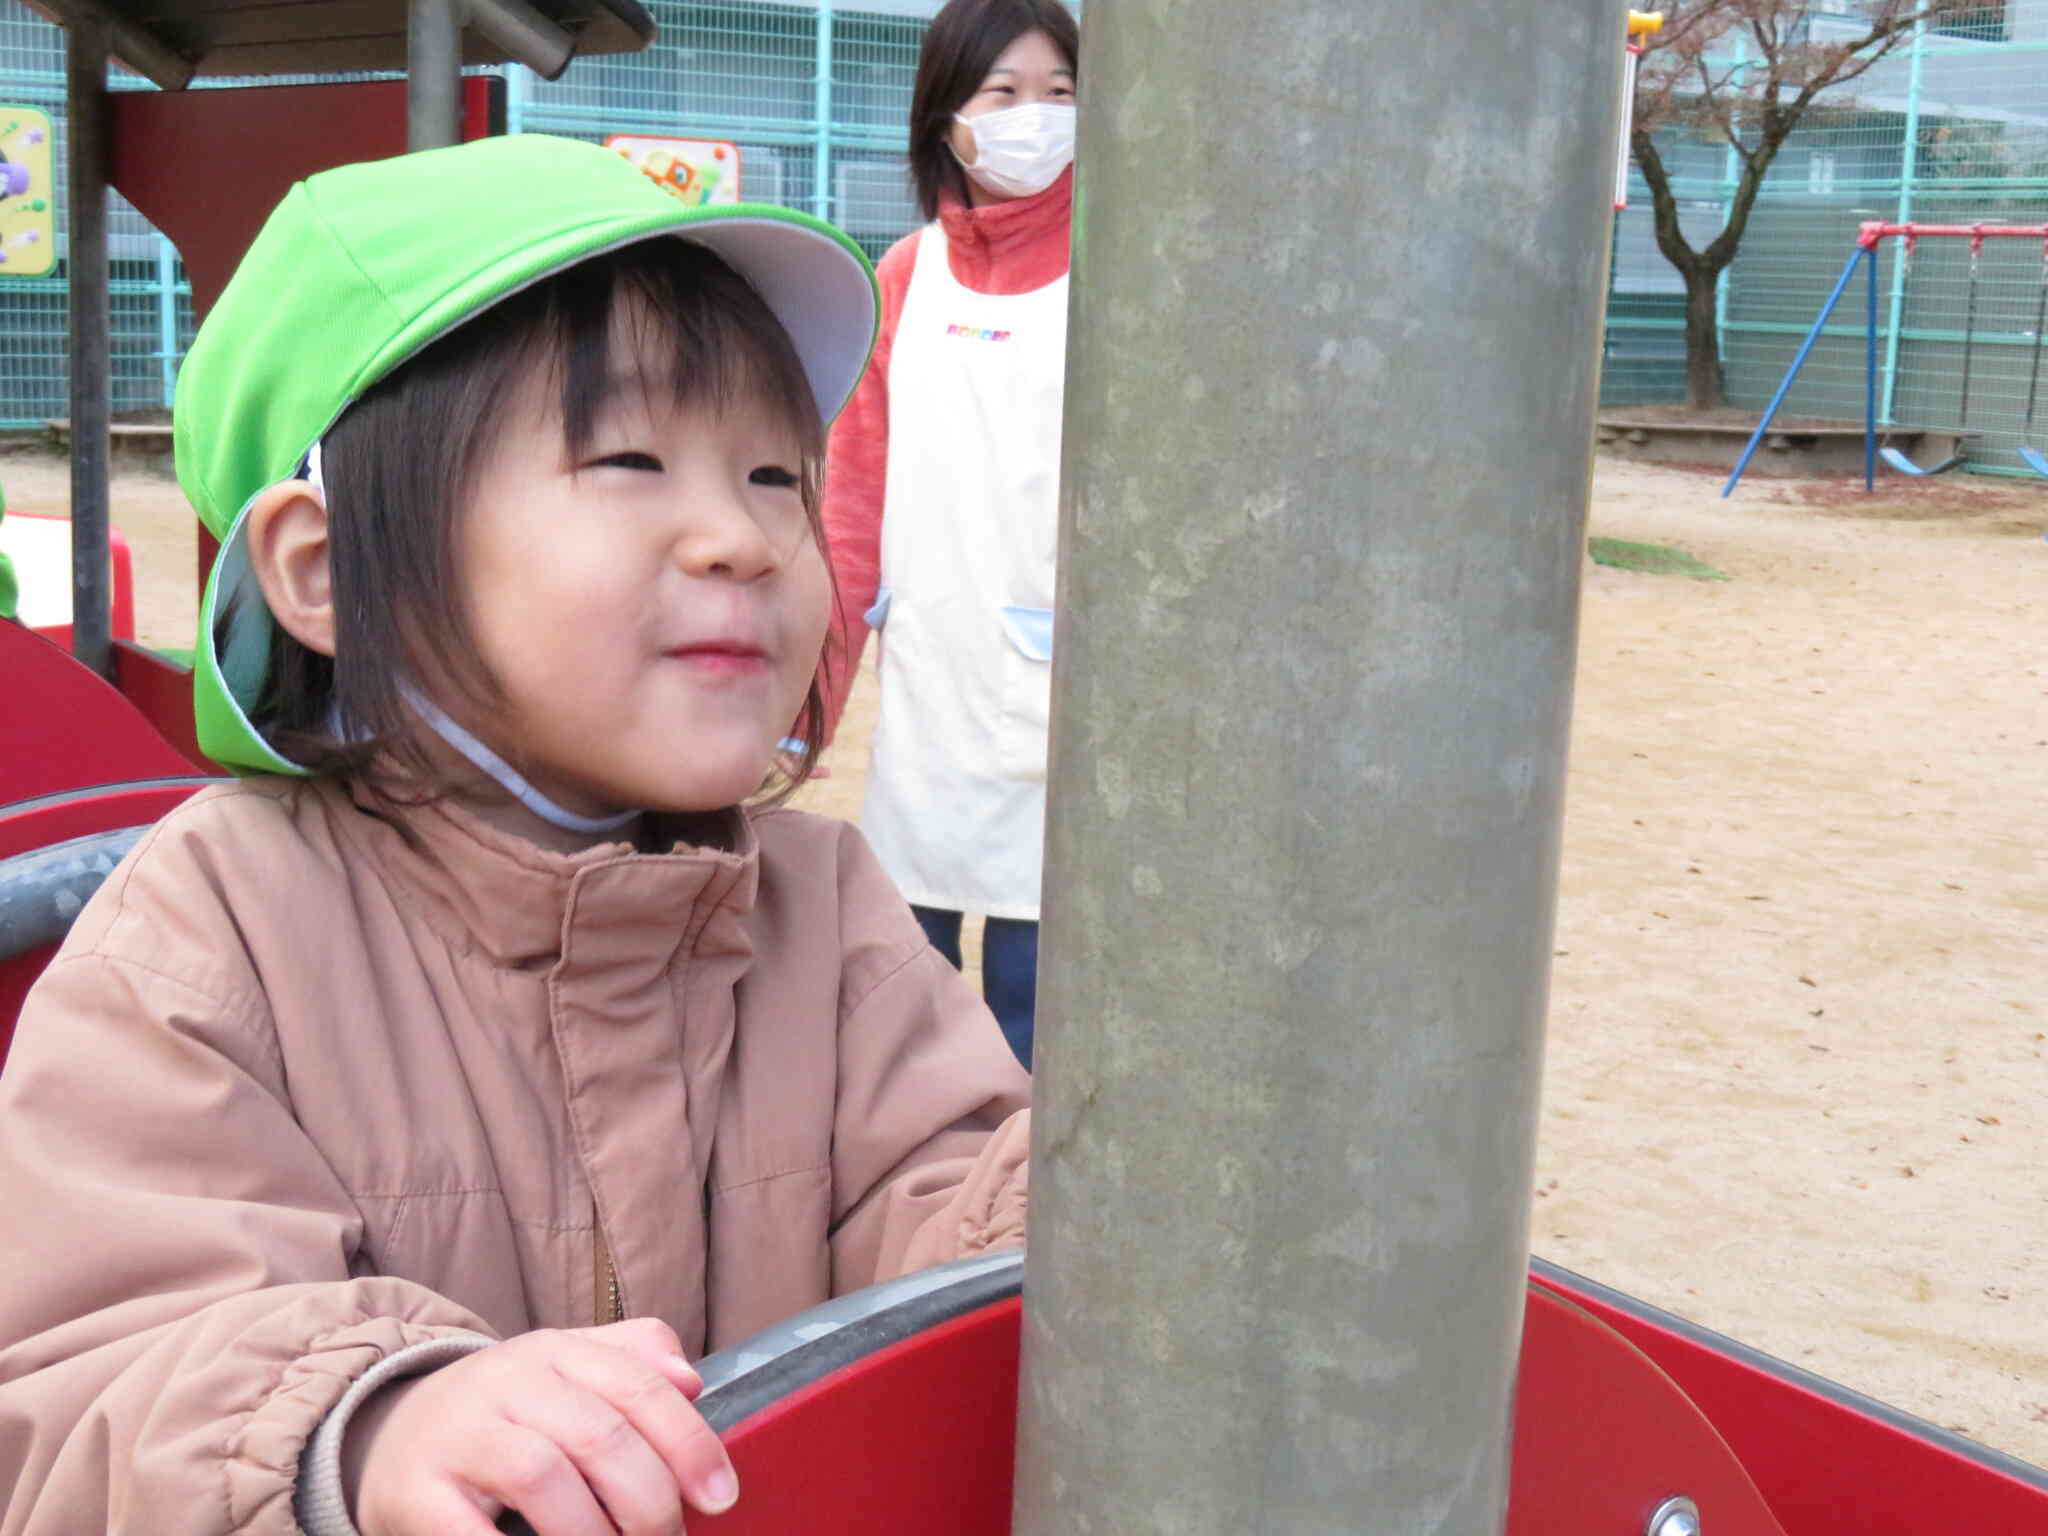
pixel 1022 724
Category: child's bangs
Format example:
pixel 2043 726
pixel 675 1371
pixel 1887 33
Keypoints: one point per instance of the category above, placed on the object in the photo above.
pixel 695 336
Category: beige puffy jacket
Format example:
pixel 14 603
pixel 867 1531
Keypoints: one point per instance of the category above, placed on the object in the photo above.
pixel 308 1085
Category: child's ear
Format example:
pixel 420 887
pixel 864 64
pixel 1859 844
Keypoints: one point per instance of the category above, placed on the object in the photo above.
pixel 288 552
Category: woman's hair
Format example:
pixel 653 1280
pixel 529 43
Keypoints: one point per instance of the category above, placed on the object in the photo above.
pixel 400 462
pixel 961 46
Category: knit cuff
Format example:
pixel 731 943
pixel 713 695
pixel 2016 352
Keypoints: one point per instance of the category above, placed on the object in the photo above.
pixel 319 1502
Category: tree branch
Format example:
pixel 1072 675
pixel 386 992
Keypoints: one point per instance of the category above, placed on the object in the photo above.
pixel 1757 98
pixel 1663 203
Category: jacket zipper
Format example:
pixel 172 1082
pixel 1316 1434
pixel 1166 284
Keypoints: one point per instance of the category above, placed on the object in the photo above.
pixel 609 1308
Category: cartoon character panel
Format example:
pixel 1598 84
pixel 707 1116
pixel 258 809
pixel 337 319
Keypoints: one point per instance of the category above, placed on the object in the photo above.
pixel 697 171
pixel 28 217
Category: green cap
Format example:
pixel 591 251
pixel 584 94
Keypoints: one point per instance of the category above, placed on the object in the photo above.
pixel 361 267
pixel 9 594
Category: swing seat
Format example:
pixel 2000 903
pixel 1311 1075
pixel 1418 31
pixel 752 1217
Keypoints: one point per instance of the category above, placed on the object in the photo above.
pixel 2035 460
pixel 1906 466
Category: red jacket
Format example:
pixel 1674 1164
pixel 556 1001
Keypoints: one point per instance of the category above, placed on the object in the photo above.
pixel 1008 247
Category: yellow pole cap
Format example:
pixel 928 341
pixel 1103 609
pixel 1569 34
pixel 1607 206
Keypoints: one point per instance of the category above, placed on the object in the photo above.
pixel 1645 23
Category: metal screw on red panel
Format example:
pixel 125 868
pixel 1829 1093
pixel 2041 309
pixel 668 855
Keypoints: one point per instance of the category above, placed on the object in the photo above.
pixel 1676 1516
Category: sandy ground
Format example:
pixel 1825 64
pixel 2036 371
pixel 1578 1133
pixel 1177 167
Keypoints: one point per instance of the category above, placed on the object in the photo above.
pixel 1798 1053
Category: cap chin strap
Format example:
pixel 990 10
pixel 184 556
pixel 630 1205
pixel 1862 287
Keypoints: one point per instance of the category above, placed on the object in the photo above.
pixel 508 776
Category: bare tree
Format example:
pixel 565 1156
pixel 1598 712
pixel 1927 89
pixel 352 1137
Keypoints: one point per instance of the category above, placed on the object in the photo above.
pixel 1748 72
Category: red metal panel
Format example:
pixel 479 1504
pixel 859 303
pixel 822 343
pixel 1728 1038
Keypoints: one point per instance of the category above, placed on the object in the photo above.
pixel 162 691
pixel 918 1440
pixel 51 819
pixel 1602 1437
pixel 915 1440
pixel 206 167
pixel 1824 1465
pixel 63 727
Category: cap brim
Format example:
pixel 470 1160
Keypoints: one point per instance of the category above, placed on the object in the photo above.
pixel 814 278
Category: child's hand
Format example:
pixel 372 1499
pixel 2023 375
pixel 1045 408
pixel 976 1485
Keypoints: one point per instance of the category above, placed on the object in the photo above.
pixel 584 1432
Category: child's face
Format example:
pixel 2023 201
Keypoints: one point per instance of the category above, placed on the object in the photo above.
pixel 653 610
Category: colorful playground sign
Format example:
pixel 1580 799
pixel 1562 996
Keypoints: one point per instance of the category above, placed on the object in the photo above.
pixel 698 171
pixel 28 204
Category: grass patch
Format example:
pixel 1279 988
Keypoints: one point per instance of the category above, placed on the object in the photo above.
pixel 1656 559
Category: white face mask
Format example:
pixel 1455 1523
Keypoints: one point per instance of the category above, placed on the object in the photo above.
pixel 1021 150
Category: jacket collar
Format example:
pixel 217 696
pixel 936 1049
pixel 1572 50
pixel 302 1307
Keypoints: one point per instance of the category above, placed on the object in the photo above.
pixel 994 234
pixel 525 906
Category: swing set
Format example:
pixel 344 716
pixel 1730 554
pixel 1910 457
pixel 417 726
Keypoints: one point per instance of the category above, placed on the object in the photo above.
pixel 1869 238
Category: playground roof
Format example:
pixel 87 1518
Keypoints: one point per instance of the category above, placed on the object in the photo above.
pixel 170 41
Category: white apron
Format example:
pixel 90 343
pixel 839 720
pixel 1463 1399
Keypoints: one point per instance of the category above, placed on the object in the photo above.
pixel 970 518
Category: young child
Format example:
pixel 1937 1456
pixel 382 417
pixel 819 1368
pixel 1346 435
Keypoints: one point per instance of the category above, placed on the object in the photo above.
pixel 398 1121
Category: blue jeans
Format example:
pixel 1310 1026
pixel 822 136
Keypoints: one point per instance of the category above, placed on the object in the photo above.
pixel 1009 968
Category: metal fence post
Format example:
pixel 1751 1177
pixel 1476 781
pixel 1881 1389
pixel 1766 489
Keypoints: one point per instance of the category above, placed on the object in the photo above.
pixel 433 82
pixel 821 184
pixel 516 76
pixel 1909 168
pixel 1729 179
pixel 167 316
pixel 1320 559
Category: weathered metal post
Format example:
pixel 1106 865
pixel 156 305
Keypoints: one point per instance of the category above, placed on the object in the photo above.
pixel 92 404
pixel 1338 284
pixel 433 79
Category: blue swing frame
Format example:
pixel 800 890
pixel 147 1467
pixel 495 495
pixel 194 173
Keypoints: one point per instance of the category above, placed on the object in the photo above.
pixel 1866 249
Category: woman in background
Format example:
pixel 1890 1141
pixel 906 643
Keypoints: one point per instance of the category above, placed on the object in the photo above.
pixel 941 507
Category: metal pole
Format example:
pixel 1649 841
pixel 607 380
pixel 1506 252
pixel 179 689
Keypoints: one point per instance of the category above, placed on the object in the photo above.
pixel 1909 168
pixel 515 98
pixel 1322 522
pixel 167 316
pixel 433 82
pixel 1870 373
pixel 522 34
pixel 85 271
pixel 1798 362
pixel 135 46
pixel 1730 179
pixel 821 184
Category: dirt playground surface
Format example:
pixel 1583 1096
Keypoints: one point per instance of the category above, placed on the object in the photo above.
pixel 1798 1047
